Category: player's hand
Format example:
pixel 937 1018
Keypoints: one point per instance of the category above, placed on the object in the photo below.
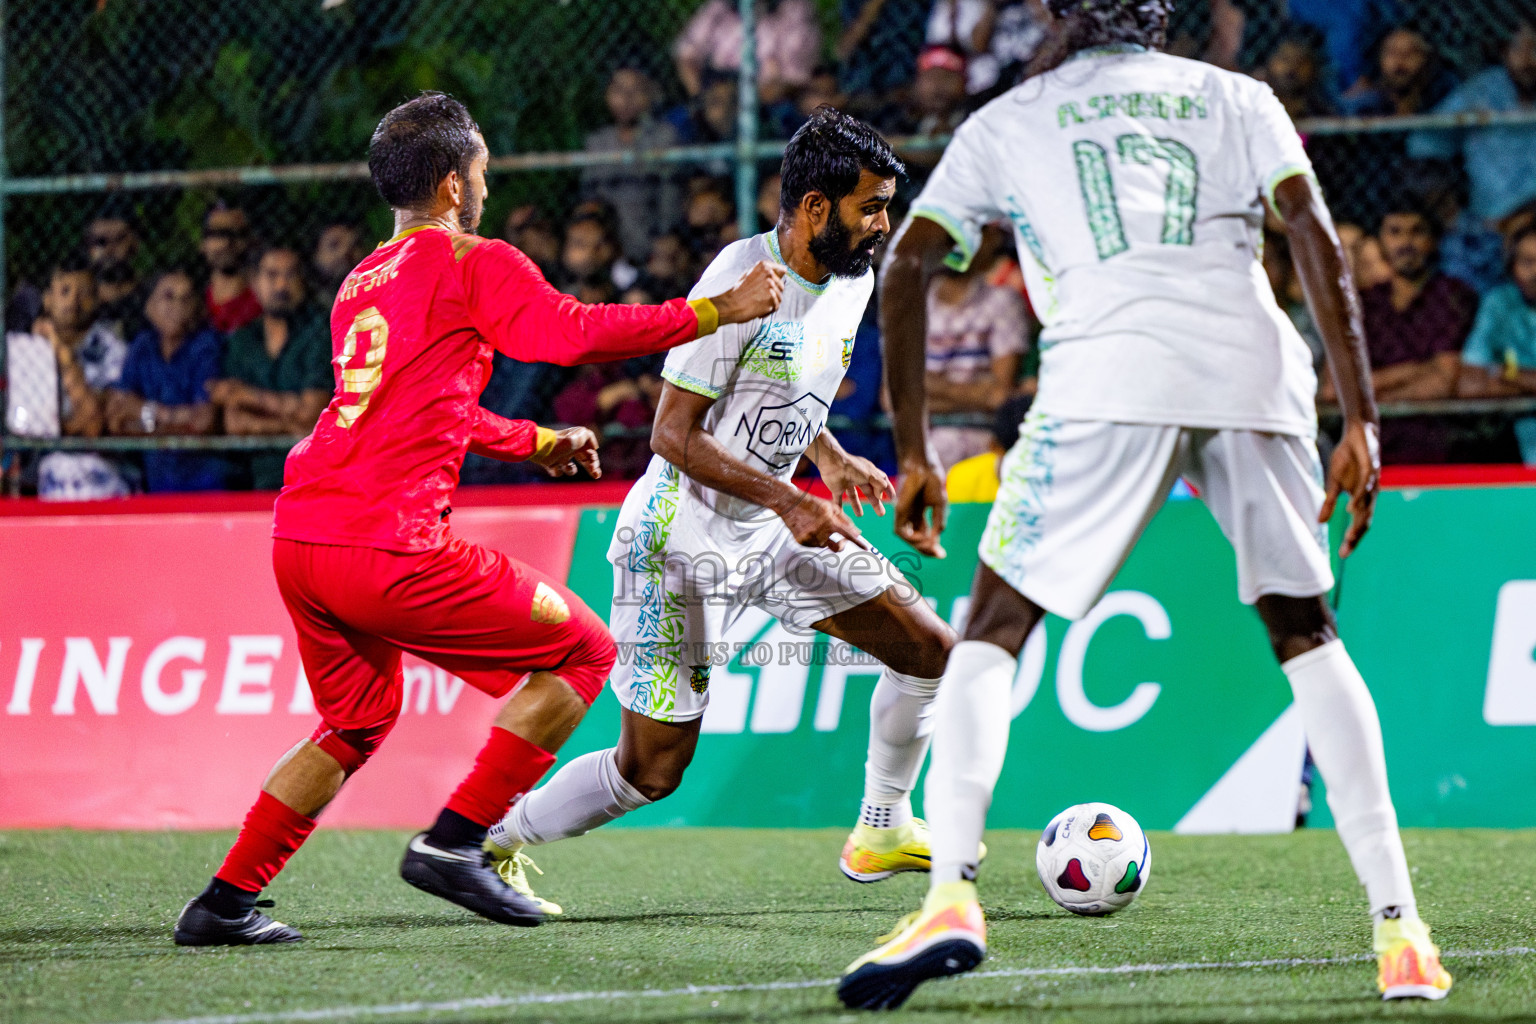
pixel 920 493
pixel 817 523
pixel 756 294
pixel 851 479
pixel 1355 469
pixel 575 448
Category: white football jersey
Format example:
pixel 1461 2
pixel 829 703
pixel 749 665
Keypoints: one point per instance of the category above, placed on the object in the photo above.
pixel 1135 183
pixel 773 379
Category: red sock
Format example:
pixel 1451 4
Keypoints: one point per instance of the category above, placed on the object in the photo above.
pixel 506 768
pixel 272 831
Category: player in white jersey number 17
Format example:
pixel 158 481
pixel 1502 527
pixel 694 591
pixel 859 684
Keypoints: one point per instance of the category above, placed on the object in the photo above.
pixel 1136 184
pixel 716 528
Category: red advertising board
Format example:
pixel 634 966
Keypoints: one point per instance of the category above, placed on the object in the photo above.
pixel 150 679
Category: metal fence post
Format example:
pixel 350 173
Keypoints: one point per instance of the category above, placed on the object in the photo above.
pixel 746 123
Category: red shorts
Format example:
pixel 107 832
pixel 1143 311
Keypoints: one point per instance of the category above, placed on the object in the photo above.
pixel 475 612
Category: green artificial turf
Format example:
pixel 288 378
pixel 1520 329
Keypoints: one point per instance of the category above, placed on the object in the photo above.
pixel 85 922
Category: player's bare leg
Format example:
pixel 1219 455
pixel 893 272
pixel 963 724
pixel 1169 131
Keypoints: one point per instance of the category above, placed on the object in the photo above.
pixel 1345 737
pixel 448 860
pixel 970 738
pixel 651 756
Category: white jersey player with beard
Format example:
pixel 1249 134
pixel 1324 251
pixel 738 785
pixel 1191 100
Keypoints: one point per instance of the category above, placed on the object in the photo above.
pixel 715 527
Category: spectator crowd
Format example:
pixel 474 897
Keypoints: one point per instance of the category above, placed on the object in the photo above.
pixel 1439 224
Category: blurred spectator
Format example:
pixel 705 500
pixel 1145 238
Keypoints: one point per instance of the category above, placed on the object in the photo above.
pixel 1415 326
pixel 965 26
pixel 1409 78
pixel 590 257
pixel 1501 351
pixel 768 200
pixel 164 386
pixel 709 219
pixel 976 340
pixel 709 116
pixel 877 50
pixel 225 247
pixel 112 246
pixel 669 266
pixel 1500 159
pixel 1366 263
pixel 338 249
pixel 537 237
pixel 646 198
pixel 277 369
pixel 788 45
pixel 994 36
pixel 977 478
pixel 935 107
pixel 57 376
pixel 1242 28
pixel 1294 70
pixel 781 120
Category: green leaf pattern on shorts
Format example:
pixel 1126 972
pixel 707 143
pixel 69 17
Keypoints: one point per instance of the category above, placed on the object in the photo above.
pixel 1028 474
pixel 660 635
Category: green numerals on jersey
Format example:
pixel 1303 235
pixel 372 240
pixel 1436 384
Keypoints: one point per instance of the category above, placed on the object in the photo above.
pixel 1093 175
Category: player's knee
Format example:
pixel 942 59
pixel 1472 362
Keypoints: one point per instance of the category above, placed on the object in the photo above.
pixel 351 747
pixel 657 782
pixel 1296 625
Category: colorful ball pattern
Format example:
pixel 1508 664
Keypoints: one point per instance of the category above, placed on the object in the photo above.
pixel 1093 859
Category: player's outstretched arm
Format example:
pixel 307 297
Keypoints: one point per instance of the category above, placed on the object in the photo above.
pixel 917 253
pixel 1324 273
pixel 561 452
pixel 679 437
pixel 523 316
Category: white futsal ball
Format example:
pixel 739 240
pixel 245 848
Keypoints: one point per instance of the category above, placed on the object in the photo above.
pixel 1093 859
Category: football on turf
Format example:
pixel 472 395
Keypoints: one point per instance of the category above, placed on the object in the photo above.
pixel 1093 859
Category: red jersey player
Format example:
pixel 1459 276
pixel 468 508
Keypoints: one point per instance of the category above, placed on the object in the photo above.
pixel 365 560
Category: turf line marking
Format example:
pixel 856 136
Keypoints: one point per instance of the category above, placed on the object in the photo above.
pixel 554 998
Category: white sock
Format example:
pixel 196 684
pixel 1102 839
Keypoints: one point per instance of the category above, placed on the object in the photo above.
pixel 970 740
pixel 900 726
pixel 582 795
pixel 1345 736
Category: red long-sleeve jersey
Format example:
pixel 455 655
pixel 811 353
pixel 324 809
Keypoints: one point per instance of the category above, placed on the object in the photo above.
pixel 412 333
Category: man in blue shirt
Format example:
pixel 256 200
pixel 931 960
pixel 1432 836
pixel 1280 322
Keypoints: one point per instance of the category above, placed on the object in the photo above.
pixel 1500 159
pixel 164 386
pixel 1500 355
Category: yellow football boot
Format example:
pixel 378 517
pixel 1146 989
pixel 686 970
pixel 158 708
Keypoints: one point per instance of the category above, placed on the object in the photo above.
pixel 1409 964
pixel 947 936
pixel 512 866
pixel 875 854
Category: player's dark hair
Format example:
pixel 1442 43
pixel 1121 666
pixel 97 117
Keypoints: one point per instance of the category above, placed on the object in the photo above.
pixel 827 155
pixel 417 144
pixel 1411 204
pixel 74 263
pixel 1084 24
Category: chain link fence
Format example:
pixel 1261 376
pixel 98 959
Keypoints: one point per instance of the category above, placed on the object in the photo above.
pixel 149 112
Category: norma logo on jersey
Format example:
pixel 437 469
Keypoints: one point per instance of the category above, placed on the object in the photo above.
pixel 779 434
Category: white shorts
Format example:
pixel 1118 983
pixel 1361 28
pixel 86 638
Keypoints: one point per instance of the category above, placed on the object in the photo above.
pixel 672 608
pixel 1077 494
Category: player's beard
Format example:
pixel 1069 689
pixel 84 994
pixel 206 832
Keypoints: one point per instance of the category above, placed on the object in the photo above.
pixel 469 213
pixel 833 248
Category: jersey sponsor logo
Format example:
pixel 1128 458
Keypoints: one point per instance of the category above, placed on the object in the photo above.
pixel 779 434
pixel 776 353
pixel 1144 106
pixel 549 607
